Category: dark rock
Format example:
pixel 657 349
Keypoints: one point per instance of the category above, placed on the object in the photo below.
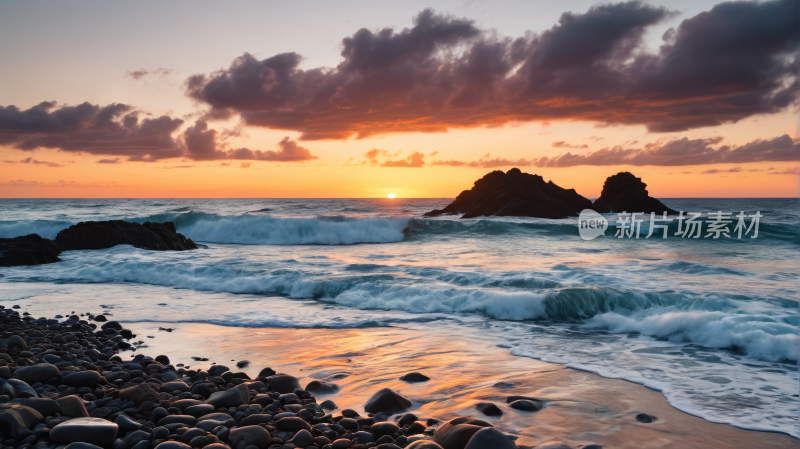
pixel 179 385
pixel 100 318
pixel 216 370
pixel 316 386
pixel 82 379
pixel 173 445
pixel 105 234
pixel 527 405
pixel 282 383
pixel 191 433
pixel 415 377
pixel 15 341
pixel 28 250
pixel 424 444
pixel 111 325
pixel 162 359
pixel 328 405
pixel 292 424
pixel 177 419
pixel 624 192
pixel 303 438
pixel 72 406
pixel 384 428
pixel 36 373
pixel 456 433
pixel 230 398
pixel 126 424
pixel 515 194
pixel 199 410
pixel 14 418
pixel 47 407
pixel 85 430
pixel 265 373
pixel 139 394
pixel 250 435
pixel 645 418
pixel 489 409
pixel 203 441
pixel 16 388
pixel 80 445
pixel 387 401
pixel 490 437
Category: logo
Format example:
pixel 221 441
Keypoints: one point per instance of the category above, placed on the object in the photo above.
pixel 591 224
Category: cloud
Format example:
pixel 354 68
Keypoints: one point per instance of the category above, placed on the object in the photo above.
pixel 563 144
pixel 676 152
pixel 414 160
pixel 23 183
pixel 245 165
pixel 737 60
pixel 141 73
pixel 789 171
pixel 593 138
pixel 114 130
pixel 108 161
pixel 202 145
pixel 31 160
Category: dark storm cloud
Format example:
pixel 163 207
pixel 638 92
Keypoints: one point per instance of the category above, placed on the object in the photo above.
pixel 678 152
pixel 737 60
pixel 115 130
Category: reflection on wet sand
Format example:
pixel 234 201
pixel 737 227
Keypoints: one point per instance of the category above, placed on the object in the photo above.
pixel 580 407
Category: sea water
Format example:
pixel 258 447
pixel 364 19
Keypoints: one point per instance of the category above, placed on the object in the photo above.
pixel 711 323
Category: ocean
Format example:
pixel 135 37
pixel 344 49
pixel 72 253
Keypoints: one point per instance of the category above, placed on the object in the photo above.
pixel 711 323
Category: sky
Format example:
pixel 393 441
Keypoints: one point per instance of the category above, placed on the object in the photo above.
pixel 362 98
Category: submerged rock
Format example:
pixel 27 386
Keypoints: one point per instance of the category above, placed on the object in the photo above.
pixel 645 418
pixel 105 234
pixel 515 194
pixel 456 433
pixel 387 401
pixel 28 250
pixel 624 192
pixel 415 377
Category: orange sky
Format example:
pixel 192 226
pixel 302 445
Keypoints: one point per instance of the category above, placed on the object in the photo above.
pixel 92 71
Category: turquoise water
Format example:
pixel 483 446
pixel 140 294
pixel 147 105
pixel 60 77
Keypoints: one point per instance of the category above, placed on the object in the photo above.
pixel 713 324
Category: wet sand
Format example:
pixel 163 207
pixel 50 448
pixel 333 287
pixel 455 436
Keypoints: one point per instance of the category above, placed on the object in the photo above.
pixel 581 407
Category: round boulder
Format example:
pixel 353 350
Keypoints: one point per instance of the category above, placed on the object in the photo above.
pixel 80 379
pixel 41 372
pixel 490 437
pixel 85 430
pixel 250 436
pixel 456 433
pixel 387 401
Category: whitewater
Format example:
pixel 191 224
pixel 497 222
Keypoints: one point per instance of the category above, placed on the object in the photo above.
pixel 712 324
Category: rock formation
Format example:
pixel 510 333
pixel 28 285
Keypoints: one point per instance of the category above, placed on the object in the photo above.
pixel 28 250
pixel 624 192
pixel 105 234
pixel 515 194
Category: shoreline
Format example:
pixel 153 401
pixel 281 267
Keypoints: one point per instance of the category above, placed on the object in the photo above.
pixel 606 407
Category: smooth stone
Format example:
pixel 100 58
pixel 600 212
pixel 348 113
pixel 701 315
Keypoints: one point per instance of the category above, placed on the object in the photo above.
pixel 157 414
pixel 139 394
pixel 169 387
pixel 302 438
pixel 230 398
pixel 185 404
pixel 415 377
pixel 265 373
pixel 192 433
pixel 645 418
pixel 204 441
pixel 387 401
pixel 489 409
pixel 328 405
pixel 126 424
pixel 178 419
pixel 283 383
pixel 250 436
pixel 86 430
pixel 81 445
pixel 215 417
pixel 388 446
pixel 47 407
pixel 456 433
pixel 384 428
pixel 16 388
pixel 341 443
pixel 209 424
pixel 41 372
pixel 424 444
pixel 217 370
pixel 256 419
pixel 217 446
pixel 15 341
pixel 17 417
pixel 526 405
pixel 72 406
pixel 173 445
pixel 292 424
pixel 133 438
pixel 363 437
pixel 199 410
pixel 490 437
pixel 316 386
pixel 82 379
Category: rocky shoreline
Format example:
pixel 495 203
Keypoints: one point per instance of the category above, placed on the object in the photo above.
pixel 65 383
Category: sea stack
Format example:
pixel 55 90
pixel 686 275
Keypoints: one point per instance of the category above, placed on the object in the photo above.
pixel 515 194
pixel 624 192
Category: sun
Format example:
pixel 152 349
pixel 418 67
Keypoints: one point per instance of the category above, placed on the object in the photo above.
pixel 392 195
